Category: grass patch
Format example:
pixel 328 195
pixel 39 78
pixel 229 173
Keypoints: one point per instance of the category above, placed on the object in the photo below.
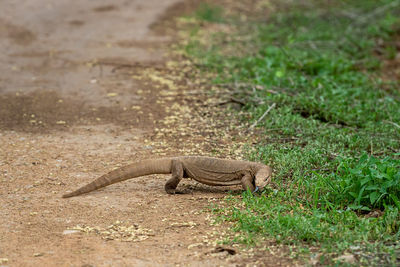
pixel 210 13
pixel 333 137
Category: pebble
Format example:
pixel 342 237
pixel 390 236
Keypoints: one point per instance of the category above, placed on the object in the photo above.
pixel 348 258
pixel 69 232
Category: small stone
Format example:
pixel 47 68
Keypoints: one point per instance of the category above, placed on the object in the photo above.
pixel 69 232
pixel 347 258
pixel 194 245
pixel 315 259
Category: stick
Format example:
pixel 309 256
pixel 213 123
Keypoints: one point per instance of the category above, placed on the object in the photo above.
pixel 262 117
pixel 377 11
pixel 392 123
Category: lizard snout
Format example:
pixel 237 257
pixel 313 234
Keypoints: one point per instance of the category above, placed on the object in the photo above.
pixel 263 177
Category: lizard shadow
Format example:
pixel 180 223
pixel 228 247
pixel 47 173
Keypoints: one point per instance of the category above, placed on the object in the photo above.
pixel 191 189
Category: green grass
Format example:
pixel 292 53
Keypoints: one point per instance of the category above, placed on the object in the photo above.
pixel 333 137
pixel 210 13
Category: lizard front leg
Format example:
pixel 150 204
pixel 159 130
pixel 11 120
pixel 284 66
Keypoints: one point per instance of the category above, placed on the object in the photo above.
pixel 247 182
pixel 177 175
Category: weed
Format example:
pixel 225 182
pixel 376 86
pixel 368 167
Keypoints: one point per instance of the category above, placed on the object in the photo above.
pixel 363 185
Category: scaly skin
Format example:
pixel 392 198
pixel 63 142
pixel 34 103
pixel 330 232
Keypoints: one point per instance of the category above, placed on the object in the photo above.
pixel 206 170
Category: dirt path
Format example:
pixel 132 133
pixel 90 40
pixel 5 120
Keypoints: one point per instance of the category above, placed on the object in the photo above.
pixel 82 92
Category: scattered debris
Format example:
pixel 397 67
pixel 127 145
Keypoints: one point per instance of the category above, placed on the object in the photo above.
pixel 314 259
pixel 374 214
pixel 195 245
pixel 183 224
pixel 69 232
pixel 347 258
pixel 220 249
pixel 118 231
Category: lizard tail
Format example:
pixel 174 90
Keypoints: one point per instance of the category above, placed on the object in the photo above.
pixel 146 167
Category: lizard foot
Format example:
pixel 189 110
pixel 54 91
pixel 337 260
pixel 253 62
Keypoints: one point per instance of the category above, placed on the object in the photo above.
pixel 170 191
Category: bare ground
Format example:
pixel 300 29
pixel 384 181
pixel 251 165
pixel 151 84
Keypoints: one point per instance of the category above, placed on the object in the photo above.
pixel 85 88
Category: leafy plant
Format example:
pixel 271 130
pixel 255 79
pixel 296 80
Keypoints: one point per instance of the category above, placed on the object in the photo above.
pixel 365 184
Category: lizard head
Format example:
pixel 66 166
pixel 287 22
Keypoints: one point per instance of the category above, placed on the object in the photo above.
pixel 263 177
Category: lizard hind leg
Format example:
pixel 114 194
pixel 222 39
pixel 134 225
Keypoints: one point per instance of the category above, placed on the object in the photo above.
pixel 177 175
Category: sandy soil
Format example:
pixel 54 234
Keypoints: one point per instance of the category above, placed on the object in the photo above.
pixel 81 94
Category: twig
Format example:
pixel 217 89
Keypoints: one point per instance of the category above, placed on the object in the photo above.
pixel 392 123
pixel 231 100
pixel 377 11
pixel 379 153
pixel 349 14
pixel 394 150
pixel 241 85
pixel 125 64
pixel 274 129
pixel 372 148
pixel 262 117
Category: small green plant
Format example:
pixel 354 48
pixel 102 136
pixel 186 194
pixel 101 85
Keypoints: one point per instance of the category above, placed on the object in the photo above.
pixel 366 184
pixel 209 13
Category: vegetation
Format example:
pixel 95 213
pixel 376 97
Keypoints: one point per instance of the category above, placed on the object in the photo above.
pixel 333 136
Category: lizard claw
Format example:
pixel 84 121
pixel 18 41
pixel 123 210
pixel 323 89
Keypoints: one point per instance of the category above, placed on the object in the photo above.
pixel 170 191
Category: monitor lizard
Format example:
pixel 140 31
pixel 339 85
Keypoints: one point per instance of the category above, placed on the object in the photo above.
pixel 207 170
